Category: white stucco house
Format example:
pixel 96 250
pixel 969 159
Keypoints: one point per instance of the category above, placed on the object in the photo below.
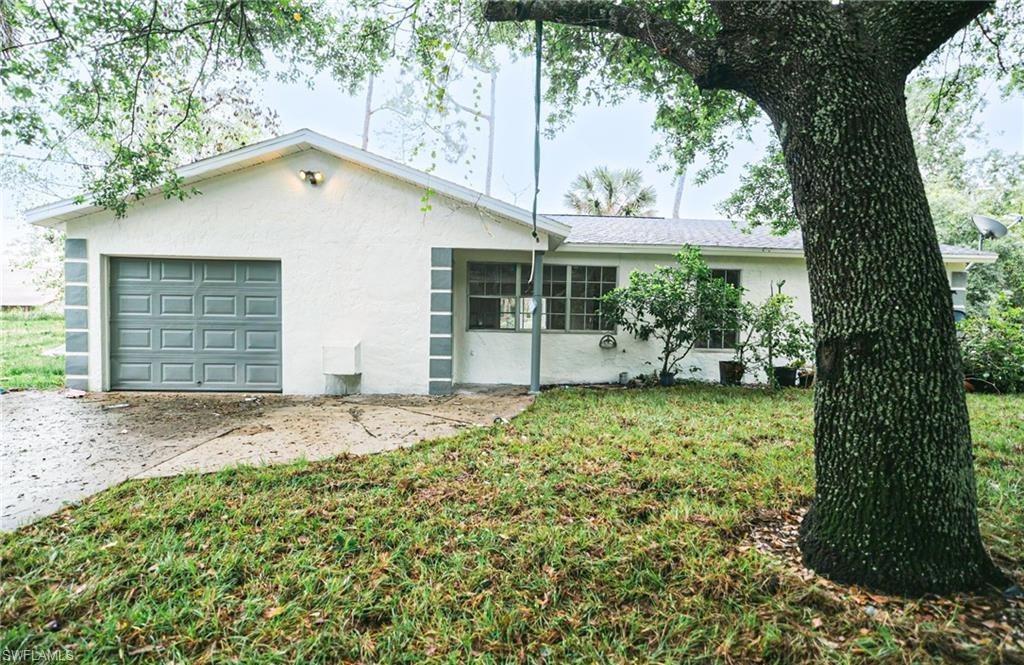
pixel 309 266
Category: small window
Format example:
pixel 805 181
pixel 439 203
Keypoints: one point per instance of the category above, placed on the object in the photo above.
pixel 958 284
pixel 722 338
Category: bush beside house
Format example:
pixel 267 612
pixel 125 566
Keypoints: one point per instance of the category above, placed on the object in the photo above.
pixel 677 305
pixel 993 347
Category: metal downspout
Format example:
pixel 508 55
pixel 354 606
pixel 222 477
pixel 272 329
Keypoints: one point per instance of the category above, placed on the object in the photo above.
pixel 538 290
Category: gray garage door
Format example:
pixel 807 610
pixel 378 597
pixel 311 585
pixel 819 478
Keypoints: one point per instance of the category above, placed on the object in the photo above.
pixel 195 325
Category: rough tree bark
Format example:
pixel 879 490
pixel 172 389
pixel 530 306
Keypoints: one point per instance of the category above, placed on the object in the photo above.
pixel 895 505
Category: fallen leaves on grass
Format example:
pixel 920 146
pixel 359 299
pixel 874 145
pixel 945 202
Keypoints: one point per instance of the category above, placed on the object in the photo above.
pixel 966 621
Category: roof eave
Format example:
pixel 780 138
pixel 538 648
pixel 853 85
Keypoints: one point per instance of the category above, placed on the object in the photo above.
pixel 726 250
pixel 54 214
pixel 710 250
pixel 986 257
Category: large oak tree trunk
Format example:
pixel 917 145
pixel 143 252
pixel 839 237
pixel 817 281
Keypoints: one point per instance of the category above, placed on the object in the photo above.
pixel 895 504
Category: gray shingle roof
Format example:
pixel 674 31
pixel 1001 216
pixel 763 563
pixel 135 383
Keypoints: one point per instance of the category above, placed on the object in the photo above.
pixel 591 230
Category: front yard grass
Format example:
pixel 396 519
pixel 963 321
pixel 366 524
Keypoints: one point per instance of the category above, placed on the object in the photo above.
pixel 24 336
pixel 599 526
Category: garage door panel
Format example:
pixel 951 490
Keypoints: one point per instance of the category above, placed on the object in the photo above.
pixel 138 372
pixel 220 373
pixel 177 373
pixel 173 339
pixel 177 271
pixel 262 273
pixel 195 324
pixel 219 305
pixel 220 272
pixel 131 270
pixel 220 340
pixel 261 306
pixel 262 340
pixel 262 374
pixel 133 304
pixel 132 339
pixel 177 304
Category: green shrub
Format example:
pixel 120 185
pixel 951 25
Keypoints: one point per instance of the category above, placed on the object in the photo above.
pixel 675 305
pixel 993 347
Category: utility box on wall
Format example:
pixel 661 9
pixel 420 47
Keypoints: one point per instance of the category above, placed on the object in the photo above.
pixel 343 365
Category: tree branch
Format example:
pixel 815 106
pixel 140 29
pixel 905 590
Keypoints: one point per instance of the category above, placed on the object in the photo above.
pixel 692 52
pixel 913 29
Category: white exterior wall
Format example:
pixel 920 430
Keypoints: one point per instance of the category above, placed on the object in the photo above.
pixel 354 251
pixel 574 357
pixel 355 255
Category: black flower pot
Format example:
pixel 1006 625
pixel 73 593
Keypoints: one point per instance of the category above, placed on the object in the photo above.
pixel 667 379
pixel 731 372
pixel 785 376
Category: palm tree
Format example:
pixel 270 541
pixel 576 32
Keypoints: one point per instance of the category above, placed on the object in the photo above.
pixel 605 192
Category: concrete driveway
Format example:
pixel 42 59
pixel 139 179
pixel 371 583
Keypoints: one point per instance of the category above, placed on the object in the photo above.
pixel 55 449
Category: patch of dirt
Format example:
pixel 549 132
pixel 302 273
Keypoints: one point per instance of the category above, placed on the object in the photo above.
pixel 60 447
pixel 980 620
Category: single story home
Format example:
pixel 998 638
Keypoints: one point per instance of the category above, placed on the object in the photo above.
pixel 309 266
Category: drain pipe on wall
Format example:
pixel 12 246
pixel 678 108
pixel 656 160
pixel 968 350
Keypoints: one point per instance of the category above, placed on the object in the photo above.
pixel 535 332
pixel 536 314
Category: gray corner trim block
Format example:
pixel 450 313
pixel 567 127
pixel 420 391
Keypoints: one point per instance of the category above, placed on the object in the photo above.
pixel 76 295
pixel 76 341
pixel 440 346
pixel 440 324
pixel 441 368
pixel 440 387
pixel 74 248
pixel 441 257
pixel 441 279
pixel 76 318
pixel 440 302
pixel 76 271
pixel 76 365
pixel 77 384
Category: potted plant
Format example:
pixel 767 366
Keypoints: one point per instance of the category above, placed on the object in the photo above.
pixel 676 305
pixel 781 333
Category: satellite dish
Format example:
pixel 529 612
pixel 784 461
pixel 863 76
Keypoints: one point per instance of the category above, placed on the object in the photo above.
pixel 988 227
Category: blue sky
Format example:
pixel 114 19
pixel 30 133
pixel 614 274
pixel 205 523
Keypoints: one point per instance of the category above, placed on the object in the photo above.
pixel 617 136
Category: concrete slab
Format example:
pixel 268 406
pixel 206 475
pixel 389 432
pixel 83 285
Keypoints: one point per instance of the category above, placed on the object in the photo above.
pixel 55 450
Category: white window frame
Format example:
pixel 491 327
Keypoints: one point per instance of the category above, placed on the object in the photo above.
pixel 521 300
pixel 707 346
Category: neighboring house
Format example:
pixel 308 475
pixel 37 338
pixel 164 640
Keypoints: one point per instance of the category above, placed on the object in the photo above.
pixel 19 291
pixel 268 281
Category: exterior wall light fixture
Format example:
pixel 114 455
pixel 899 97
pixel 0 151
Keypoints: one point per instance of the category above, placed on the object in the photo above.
pixel 312 177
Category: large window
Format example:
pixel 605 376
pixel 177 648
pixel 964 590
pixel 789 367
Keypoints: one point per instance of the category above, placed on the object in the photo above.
pixel 722 338
pixel 501 295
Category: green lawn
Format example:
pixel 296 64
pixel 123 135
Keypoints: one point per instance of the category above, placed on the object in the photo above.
pixel 598 526
pixel 24 336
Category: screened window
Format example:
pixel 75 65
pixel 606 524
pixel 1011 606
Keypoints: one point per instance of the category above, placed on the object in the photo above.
pixel 958 284
pixel 722 338
pixel 501 295
pixel 553 301
pixel 589 283
pixel 492 296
